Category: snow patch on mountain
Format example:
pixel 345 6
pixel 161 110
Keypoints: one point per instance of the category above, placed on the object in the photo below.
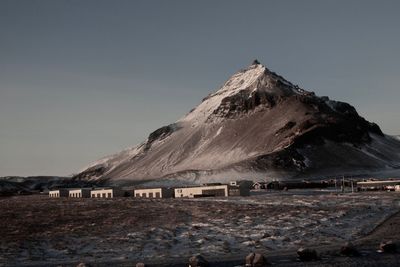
pixel 240 81
pixel 114 160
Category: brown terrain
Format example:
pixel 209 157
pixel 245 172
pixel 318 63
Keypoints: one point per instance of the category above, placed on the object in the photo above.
pixel 38 231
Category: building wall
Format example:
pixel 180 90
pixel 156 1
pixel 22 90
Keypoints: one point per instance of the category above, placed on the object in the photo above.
pixel 201 191
pixel 79 193
pixel 377 185
pixel 106 193
pixel 238 191
pixel 54 193
pixel 148 193
pixel 59 193
pixel 154 193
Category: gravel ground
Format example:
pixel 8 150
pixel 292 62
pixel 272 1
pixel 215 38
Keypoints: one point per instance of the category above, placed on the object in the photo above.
pixel 38 231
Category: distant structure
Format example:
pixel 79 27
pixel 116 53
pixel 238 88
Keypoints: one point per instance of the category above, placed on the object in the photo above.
pixel 243 183
pixel 235 188
pixel 106 193
pixel 80 193
pixel 211 191
pixel 259 185
pixel 59 193
pixel 378 185
pixel 154 192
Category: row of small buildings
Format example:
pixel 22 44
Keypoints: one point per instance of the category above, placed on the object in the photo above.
pixel 208 190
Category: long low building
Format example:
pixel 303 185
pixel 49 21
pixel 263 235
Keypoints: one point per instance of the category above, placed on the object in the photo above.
pixel 211 191
pixel 377 184
pixel 80 193
pixel 59 193
pixel 154 192
pixel 106 193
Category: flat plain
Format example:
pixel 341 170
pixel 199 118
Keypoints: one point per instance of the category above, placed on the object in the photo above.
pixel 37 230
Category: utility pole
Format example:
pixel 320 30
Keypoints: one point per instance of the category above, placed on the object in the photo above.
pixel 343 184
pixel 352 186
pixel 335 186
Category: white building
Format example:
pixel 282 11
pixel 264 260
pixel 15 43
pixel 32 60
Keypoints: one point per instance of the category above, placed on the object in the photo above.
pixel 59 193
pixel 211 191
pixel 378 184
pixel 106 193
pixel 202 191
pixel 154 192
pixel 259 185
pixel 80 193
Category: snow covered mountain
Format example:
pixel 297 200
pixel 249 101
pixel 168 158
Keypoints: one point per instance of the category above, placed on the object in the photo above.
pixel 256 125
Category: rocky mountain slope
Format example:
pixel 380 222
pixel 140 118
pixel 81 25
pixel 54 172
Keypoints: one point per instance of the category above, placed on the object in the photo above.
pixel 256 125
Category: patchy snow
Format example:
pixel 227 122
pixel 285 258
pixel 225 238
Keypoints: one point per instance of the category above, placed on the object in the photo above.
pixel 219 131
pixel 239 81
pixel 114 160
pixel 210 226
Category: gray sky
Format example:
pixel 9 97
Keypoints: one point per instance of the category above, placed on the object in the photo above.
pixel 83 79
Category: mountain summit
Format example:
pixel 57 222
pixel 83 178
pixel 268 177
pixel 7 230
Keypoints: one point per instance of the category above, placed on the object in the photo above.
pixel 256 125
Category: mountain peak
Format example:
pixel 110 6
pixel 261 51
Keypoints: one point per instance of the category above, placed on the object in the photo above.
pixel 257 124
pixel 255 83
pixel 240 81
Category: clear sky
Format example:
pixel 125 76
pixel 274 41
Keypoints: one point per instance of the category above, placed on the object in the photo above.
pixel 82 79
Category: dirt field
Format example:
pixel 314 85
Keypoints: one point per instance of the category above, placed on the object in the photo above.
pixel 37 231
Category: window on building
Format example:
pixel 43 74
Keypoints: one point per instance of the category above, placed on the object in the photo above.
pixel 137 195
pixel 158 195
pixel 151 194
pixel 144 195
pixel 109 195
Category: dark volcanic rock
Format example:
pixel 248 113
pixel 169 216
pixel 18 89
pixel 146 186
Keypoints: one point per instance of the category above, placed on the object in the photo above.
pixel 348 249
pixel 198 261
pixel 388 246
pixel 307 254
pixel 159 134
pixel 256 259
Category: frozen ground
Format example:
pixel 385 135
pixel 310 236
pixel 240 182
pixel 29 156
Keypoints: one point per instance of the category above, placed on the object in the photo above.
pixel 35 229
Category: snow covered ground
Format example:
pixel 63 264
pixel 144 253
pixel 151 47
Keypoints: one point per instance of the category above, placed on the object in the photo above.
pixel 139 229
